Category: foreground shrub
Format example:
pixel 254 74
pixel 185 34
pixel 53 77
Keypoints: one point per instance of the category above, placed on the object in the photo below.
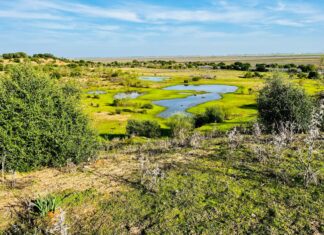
pixel 40 122
pixel 145 128
pixel 279 103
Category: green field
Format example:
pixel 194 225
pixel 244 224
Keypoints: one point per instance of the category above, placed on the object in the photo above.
pixel 239 106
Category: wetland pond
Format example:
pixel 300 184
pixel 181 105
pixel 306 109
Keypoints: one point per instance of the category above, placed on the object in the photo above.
pixel 153 79
pixel 211 92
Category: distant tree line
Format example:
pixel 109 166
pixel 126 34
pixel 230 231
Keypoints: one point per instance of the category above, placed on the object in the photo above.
pixel 239 66
pixel 301 71
pixel 22 55
pixel 16 55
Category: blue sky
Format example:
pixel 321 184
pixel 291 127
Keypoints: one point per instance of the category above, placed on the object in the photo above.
pixel 120 28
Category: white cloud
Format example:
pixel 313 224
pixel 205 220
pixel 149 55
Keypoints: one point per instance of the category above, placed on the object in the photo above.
pixel 32 9
pixel 285 22
pixel 220 11
pixel 296 8
pixel 28 15
pixel 236 16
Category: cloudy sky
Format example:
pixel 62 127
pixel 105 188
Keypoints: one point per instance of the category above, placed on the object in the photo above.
pixel 120 28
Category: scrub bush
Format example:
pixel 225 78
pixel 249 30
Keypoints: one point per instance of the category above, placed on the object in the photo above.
pixel 280 103
pixel 41 123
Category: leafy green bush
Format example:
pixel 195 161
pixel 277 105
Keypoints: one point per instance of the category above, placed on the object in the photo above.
pixel 41 123
pixel 145 128
pixel 279 103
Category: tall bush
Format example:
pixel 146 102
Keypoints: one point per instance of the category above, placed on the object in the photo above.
pixel 41 123
pixel 280 103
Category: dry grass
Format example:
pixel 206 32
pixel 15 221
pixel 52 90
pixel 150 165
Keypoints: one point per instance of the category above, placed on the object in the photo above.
pixel 47 181
pixel 106 175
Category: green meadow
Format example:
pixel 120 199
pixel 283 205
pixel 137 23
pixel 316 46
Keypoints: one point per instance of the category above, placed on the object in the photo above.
pixel 240 106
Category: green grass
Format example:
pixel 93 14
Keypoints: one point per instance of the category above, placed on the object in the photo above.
pixel 239 106
pixel 210 190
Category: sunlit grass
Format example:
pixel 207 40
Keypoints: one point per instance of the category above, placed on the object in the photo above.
pixel 239 106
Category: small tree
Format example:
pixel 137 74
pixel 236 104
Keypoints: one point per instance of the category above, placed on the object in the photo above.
pixel 41 123
pixel 279 103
